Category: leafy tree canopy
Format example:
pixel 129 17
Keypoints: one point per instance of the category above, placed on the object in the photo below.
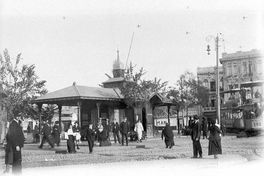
pixel 189 91
pixel 21 85
pixel 137 90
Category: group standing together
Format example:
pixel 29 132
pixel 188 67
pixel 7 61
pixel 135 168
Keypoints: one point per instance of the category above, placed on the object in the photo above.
pixel 214 147
pixel 214 138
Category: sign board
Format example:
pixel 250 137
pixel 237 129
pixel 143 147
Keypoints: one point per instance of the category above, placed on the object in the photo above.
pixel 162 122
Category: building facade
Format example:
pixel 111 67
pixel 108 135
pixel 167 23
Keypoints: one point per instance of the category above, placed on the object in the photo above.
pixel 207 76
pixel 239 68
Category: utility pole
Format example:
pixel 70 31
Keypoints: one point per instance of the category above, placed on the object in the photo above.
pixel 216 40
pixel 217 80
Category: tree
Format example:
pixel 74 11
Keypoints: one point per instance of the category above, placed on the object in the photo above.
pixel 199 93
pixel 188 91
pixel 21 85
pixel 136 90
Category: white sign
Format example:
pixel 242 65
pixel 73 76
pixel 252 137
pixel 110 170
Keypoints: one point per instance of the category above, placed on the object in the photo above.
pixel 162 122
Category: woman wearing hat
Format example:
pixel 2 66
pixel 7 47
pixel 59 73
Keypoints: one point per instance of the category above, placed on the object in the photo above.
pixel 214 147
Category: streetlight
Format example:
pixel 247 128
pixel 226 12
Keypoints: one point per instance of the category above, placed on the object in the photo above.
pixel 216 40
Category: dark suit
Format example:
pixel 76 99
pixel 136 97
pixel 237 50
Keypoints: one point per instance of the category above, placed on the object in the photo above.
pixel 15 137
pixel 116 132
pixel 196 134
pixel 46 131
pixel 56 134
pixel 90 138
pixel 124 129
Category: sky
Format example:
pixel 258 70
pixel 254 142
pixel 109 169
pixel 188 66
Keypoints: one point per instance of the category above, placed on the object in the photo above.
pixel 76 40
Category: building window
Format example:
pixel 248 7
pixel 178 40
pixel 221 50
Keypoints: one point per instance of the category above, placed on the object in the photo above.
pixel 250 67
pixel 229 69
pixel 206 83
pixel 212 86
pixel 244 71
pixel 235 69
pixel 259 67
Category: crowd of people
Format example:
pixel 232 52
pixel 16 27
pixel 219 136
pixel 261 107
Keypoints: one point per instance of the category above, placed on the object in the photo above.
pixel 52 135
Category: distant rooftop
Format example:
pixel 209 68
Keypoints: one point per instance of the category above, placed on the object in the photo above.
pixel 205 70
pixel 241 55
pixel 112 80
pixel 82 92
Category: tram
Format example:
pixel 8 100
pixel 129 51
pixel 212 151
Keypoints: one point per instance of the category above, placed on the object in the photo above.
pixel 244 110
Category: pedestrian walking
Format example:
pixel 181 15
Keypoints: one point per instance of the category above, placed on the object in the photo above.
pixel 15 141
pixel 77 130
pixel 214 147
pixel 139 130
pixel 46 132
pixel 124 129
pixel 108 129
pixel 36 136
pixel 167 133
pixel 99 133
pixel 204 127
pixel 223 129
pixel 70 136
pixel 195 135
pixel 116 132
pixel 90 136
pixel 56 133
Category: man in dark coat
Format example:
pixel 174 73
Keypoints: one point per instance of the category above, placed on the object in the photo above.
pixel 124 129
pixel 204 127
pixel 15 141
pixel 90 136
pixel 46 132
pixel 116 132
pixel 168 134
pixel 195 135
pixel 56 133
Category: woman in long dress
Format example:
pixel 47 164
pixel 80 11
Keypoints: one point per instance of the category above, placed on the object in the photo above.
pixel 167 133
pixel 139 130
pixel 70 136
pixel 214 147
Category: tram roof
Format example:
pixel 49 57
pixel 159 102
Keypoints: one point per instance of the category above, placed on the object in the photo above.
pixel 231 91
pixel 252 83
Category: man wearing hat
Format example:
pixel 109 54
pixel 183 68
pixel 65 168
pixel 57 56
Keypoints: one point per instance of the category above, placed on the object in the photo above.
pixel 124 129
pixel 56 133
pixel 46 132
pixel 196 134
pixel 90 136
pixel 15 141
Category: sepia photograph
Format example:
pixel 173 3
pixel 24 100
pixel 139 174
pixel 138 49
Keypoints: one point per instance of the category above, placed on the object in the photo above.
pixel 131 88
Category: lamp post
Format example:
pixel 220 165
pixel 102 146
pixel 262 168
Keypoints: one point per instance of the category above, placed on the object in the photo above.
pixel 216 39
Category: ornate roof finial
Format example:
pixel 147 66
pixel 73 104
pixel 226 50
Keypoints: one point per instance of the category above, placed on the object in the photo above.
pixel 74 83
pixel 117 64
pixel 117 55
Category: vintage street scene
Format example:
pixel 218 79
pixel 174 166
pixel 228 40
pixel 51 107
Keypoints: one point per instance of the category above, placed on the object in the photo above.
pixel 131 87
